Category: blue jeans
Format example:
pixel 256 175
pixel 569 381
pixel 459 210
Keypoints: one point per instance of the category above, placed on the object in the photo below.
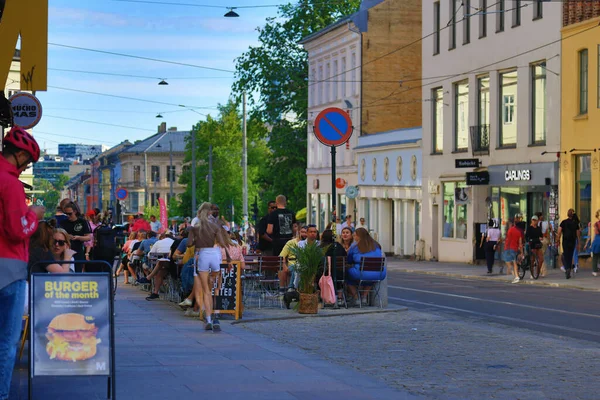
pixel 12 303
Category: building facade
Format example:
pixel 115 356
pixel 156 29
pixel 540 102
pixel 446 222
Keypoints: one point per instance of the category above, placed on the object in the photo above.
pixel 109 166
pixel 81 152
pixel 491 72
pixel 580 142
pixel 148 173
pixel 334 55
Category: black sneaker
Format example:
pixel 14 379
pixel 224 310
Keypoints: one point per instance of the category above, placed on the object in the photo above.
pixel 568 273
pixel 216 326
pixel 144 281
pixel 153 296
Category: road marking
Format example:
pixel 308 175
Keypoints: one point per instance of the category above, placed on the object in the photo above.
pixel 582 331
pixel 508 303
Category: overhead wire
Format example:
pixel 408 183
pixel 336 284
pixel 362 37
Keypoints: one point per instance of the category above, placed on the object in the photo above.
pixel 98 123
pixel 224 7
pixel 136 76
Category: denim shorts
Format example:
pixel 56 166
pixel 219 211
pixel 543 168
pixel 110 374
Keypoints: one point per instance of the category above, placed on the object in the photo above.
pixel 509 255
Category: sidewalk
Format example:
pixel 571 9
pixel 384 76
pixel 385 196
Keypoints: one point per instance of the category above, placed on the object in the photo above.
pixel 556 278
pixel 160 354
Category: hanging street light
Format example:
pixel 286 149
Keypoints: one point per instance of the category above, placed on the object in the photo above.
pixel 231 13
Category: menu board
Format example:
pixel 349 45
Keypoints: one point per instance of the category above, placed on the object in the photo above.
pixel 70 325
pixel 228 299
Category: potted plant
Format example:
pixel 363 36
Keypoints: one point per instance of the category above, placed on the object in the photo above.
pixel 309 259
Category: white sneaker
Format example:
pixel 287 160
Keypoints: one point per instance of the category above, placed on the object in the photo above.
pixel 191 313
pixel 575 269
pixel 185 304
pixel 594 273
pixel 516 280
pixel 562 268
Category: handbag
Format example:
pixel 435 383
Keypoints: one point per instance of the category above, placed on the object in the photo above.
pixel 326 285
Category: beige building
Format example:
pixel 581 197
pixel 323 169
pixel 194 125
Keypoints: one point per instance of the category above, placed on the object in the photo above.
pixel 147 171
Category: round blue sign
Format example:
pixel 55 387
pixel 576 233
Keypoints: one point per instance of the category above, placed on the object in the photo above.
pixel 333 126
pixel 121 193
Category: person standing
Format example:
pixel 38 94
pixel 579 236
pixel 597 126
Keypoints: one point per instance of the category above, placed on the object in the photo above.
pixel 569 231
pixel 155 226
pixel 348 223
pixel 79 233
pixel 19 223
pixel 280 224
pixel 596 245
pixel 533 236
pixel 512 246
pixel 265 242
pixel 363 224
pixel 493 238
pixel 546 238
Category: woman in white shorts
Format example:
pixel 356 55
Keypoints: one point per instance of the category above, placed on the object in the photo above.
pixel 204 236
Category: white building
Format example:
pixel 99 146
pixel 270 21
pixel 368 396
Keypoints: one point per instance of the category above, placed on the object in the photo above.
pixel 334 55
pixel 499 102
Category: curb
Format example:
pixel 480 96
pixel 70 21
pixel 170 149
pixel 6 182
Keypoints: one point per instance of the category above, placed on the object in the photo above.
pixel 496 279
pixel 246 321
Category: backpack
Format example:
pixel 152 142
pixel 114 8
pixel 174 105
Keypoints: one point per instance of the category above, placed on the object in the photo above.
pixel 105 244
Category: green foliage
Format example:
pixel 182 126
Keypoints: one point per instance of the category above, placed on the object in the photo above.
pixel 275 74
pixel 308 261
pixel 51 193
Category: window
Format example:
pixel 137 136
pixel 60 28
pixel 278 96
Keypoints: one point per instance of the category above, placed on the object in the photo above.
pixel 154 199
pixel 335 80
pixel 452 33
pixel 134 201
pixel 436 28
pixel 438 120
pixel 344 74
pixel 500 16
pixel 461 116
pixel 137 174
pixel 353 74
pixel 538 9
pixel 327 82
pixel 508 111
pixel 313 83
pixel 583 81
pixel 155 173
pixel 538 103
pixel 466 21
pixel 171 174
pixel 516 13
pixel 484 100
pixel 483 19
pixel 320 85
pixel 456 197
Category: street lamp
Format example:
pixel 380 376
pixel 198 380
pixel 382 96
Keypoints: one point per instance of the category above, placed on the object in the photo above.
pixel 231 13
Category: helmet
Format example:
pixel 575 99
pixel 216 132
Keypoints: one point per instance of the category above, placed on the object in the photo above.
pixel 22 140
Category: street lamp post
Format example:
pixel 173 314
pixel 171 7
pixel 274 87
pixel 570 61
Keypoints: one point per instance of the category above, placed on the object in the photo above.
pixel 245 163
pixel 171 174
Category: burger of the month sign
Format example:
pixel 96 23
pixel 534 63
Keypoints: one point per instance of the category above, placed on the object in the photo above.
pixel 26 108
pixel 71 325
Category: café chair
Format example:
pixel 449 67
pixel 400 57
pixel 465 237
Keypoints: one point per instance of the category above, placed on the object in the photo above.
pixel 372 272
pixel 268 279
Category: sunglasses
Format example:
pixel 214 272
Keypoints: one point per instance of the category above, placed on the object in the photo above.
pixel 60 242
pixel 69 214
pixel 272 207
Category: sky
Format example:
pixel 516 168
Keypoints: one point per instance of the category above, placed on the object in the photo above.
pixel 191 35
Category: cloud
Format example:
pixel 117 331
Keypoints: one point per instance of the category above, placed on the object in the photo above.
pixel 71 17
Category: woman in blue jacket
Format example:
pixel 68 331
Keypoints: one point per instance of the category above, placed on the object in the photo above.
pixel 364 246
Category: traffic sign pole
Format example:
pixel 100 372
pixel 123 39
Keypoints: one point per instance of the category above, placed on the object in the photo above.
pixel 333 193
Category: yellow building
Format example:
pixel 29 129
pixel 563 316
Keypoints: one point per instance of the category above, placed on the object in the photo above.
pixel 580 140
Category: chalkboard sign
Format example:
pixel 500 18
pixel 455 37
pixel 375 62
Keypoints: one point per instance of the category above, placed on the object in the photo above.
pixel 229 297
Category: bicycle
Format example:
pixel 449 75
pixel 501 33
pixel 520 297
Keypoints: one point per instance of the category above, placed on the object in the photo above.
pixel 525 264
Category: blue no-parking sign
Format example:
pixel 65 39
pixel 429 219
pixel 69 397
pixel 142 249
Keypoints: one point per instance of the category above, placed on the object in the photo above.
pixel 333 127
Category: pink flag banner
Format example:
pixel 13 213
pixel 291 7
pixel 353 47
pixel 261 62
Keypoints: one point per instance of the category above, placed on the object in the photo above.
pixel 163 215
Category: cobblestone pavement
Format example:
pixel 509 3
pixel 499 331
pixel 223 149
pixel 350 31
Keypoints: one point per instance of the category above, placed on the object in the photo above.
pixel 441 356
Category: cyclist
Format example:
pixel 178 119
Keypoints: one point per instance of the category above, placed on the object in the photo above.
pixel 533 237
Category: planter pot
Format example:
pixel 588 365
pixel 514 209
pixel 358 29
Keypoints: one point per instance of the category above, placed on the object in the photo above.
pixel 309 303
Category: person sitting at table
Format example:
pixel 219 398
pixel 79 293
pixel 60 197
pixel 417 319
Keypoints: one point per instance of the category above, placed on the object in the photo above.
pixel 125 267
pixel 289 260
pixel 334 250
pixel 346 239
pixel 40 245
pixel 364 246
pixel 162 247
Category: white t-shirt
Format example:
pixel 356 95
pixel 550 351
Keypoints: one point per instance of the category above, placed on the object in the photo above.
pixel 155 226
pixel 195 221
pixel 162 246
pixel 302 244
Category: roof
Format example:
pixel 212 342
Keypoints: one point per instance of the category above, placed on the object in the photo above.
pixel 327 29
pixel 116 149
pixel 160 143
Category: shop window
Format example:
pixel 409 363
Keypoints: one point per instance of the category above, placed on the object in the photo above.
pixel 438 121
pixel 508 96
pixel 538 103
pixel 461 116
pixel 583 193
pixel 583 82
pixel 456 198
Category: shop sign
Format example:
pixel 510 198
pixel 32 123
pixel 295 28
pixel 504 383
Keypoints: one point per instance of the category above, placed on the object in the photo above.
pixel 27 110
pixel 467 163
pixel 517 175
pixel 478 178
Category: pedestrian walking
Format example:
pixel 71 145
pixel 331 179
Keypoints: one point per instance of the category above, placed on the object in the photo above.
pixel 491 243
pixel 596 245
pixel 513 245
pixel 19 223
pixel 569 231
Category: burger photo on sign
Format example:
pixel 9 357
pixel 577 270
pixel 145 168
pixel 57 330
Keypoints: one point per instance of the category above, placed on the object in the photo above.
pixel 71 338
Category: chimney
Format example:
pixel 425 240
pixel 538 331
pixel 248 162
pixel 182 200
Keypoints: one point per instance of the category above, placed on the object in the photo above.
pixel 162 128
pixel 173 129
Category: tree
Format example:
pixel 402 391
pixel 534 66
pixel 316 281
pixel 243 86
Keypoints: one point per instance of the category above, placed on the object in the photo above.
pixel 277 72
pixel 50 196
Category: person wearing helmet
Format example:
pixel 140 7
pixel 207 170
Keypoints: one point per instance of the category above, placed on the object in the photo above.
pixel 19 222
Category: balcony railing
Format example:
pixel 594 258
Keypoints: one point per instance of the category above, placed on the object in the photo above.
pixel 480 140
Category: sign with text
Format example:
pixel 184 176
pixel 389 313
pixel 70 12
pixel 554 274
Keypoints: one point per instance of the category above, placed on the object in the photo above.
pixel 478 178
pixel 27 110
pixel 70 325
pixel 229 297
pixel 517 175
pixel 466 163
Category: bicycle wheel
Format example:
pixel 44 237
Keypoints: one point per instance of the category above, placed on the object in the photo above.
pixel 523 267
pixel 535 269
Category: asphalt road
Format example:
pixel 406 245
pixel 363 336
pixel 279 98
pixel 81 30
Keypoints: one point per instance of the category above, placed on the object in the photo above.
pixel 570 313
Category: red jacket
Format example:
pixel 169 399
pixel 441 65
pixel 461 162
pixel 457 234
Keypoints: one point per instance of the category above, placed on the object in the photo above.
pixel 141 225
pixel 17 224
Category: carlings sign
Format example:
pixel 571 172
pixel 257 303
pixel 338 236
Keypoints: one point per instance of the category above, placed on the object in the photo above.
pixel 517 175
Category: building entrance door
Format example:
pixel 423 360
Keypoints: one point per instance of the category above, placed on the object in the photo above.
pixel 436 234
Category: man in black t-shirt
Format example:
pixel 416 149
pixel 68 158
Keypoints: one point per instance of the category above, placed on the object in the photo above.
pixel 569 229
pixel 265 242
pixel 280 225
pixel 533 236
pixel 79 232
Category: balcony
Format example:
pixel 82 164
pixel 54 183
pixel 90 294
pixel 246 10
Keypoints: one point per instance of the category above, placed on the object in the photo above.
pixel 480 140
